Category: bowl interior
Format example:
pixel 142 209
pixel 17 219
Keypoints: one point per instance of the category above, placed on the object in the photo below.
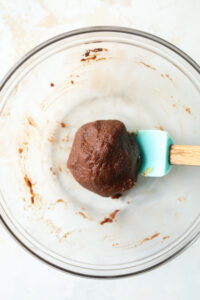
pixel 53 93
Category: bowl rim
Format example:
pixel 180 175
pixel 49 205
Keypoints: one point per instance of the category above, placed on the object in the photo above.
pixel 68 34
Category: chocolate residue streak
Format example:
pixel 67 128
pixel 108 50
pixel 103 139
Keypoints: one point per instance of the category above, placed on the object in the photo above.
pixel 101 58
pixel 52 84
pixel 110 218
pixel 166 237
pixel 52 171
pixel 148 66
pixel 106 220
pixel 23 148
pixel 117 196
pixel 87 53
pixel 188 110
pixel 59 201
pixel 82 214
pixel 72 81
pixel 51 139
pixel 149 238
pixel 113 214
pixel 63 125
pixel 168 76
pixel 31 122
pixel 65 235
pixel 89 58
pixel 30 185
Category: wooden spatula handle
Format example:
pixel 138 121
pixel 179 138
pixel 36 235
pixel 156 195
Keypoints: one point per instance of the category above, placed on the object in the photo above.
pixel 184 155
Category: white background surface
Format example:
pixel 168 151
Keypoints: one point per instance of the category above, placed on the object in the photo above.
pixel 24 24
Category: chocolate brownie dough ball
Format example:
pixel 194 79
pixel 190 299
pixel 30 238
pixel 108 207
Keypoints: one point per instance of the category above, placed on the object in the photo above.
pixel 104 158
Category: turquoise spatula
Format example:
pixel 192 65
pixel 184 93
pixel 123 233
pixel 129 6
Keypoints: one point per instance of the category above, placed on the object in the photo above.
pixel 159 153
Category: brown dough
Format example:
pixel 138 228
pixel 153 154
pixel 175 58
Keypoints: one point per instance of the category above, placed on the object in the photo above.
pixel 104 158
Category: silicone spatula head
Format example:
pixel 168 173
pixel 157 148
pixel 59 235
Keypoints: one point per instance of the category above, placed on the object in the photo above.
pixel 154 146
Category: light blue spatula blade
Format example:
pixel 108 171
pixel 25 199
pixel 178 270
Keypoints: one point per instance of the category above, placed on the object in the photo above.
pixel 154 146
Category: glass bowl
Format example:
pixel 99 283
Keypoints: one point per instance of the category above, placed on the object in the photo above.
pixel 78 77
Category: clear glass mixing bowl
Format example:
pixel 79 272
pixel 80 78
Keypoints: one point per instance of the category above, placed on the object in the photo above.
pixel 127 75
